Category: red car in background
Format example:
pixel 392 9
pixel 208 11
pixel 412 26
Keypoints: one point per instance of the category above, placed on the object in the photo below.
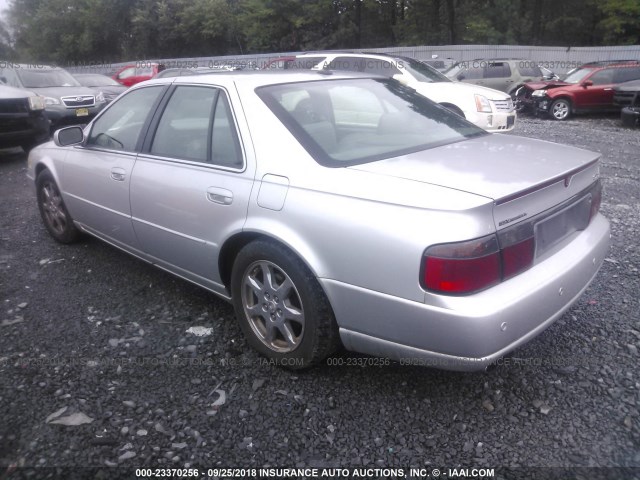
pixel 587 89
pixel 131 74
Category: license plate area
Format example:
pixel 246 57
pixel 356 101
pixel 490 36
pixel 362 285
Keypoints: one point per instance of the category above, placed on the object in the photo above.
pixel 82 112
pixel 560 225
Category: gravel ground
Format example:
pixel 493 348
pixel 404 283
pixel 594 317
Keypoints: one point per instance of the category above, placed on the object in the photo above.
pixel 97 367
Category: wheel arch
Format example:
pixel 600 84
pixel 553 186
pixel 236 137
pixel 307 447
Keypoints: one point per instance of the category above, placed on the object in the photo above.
pixel 232 246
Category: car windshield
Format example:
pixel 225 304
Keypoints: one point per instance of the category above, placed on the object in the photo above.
pixel 46 77
pixel 422 72
pixel 353 121
pixel 96 81
pixel 578 75
pixel 453 70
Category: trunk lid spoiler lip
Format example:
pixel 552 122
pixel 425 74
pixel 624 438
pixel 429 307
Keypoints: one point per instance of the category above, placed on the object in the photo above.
pixel 566 176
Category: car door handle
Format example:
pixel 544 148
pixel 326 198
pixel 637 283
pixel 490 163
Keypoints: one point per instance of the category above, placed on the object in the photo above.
pixel 118 174
pixel 220 195
pixel 608 89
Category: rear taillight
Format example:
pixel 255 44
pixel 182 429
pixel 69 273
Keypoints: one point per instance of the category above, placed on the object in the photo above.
pixel 467 267
pixel 463 267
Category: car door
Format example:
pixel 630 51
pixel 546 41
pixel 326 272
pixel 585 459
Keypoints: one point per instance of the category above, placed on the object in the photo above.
pixel 190 188
pixel 599 94
pixel 97 174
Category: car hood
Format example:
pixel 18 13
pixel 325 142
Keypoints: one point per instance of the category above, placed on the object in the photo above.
pixel 547 85
pixel 458 88
pixel 58 92
pixel 494 166
pixel 13 93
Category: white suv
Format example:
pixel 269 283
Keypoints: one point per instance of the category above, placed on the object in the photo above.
pixel 487 108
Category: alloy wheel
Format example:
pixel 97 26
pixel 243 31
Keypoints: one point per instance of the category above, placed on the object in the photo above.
pixel 272 306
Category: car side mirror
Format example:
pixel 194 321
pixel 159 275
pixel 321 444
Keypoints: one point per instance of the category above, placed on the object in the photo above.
pixel 587 83
pixel 461 77
pixel 3 80
pixel 68 136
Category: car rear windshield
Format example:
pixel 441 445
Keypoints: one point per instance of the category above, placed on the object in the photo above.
pixel 353 121
pixel 45 77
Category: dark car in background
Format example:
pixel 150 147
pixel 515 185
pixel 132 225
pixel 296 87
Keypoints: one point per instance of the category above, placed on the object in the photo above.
pixel 101 84
pixel 22 120
pixel 66 101
pixel 588 89
pixel 131 74
pixel 627 96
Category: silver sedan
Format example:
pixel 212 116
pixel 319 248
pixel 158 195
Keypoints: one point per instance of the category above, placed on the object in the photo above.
pixel 335 209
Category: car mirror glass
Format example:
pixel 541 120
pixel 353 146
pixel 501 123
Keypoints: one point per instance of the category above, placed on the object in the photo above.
pixel 68 136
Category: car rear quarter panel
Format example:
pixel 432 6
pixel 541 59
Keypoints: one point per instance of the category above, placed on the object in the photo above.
pixel 357 227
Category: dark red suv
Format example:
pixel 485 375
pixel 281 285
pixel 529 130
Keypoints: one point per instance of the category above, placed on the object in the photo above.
pixel 587 89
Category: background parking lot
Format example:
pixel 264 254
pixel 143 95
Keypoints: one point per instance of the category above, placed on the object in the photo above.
pixel 90 330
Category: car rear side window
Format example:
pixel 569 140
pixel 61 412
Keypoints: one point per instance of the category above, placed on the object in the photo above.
pixel 497 70
pixel 197 125
pixel 119 127
pixel 626 74
pixel 183 131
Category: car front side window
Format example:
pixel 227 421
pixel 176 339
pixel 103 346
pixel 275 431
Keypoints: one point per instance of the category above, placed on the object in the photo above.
pixel 119 127
pixel 602 77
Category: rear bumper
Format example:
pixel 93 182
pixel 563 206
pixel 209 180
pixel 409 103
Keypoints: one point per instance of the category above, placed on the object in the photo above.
pixel 470 333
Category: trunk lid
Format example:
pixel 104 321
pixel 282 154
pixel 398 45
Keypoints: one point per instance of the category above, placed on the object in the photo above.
pixel 522 176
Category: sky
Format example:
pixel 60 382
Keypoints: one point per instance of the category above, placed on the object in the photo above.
pixel 3 6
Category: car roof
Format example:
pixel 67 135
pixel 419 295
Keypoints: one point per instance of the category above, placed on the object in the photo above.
pixel 259 78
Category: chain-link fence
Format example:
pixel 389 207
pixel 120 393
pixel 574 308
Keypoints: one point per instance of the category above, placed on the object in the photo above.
pixel 558 59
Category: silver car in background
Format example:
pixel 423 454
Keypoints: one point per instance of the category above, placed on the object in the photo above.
pixel 335 208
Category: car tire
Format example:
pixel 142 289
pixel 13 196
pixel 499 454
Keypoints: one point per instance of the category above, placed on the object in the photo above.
pixel 630 116
pixel 53 211
pixel 281 307
pixel 560 109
